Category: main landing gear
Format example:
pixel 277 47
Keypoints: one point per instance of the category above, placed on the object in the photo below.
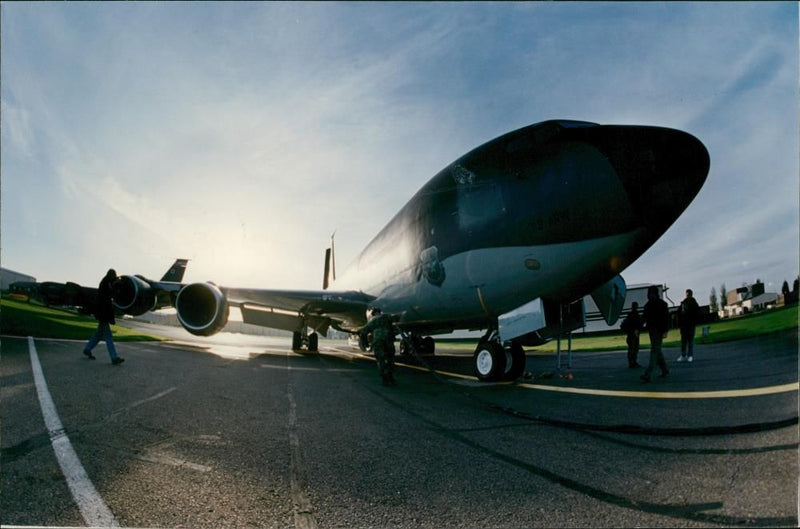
pixel 425 346
pixel 304 338
pixel 496 361
pixel 493 360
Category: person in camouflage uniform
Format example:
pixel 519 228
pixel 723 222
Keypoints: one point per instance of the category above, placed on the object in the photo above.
pixel 380 325
pixel 632 326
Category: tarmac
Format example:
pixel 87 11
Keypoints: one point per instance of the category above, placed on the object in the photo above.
pixel 597 390
pixel 238 431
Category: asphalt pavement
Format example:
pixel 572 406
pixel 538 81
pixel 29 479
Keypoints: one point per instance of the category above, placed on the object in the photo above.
pixel 241 432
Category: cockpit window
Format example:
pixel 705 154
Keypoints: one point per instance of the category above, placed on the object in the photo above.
pixel 479 204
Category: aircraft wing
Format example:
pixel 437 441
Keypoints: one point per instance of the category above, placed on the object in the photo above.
pixel 132 294
pixel 203 307
pixel 292 310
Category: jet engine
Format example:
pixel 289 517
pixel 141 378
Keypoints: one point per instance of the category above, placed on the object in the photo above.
pixel 133 295
pixel 202 308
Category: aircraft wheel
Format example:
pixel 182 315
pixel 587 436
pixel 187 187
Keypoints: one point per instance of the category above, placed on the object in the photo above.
pixel 313 342
pixel 428 346
pixel 490 361
pixel 297 341
pixel 515 362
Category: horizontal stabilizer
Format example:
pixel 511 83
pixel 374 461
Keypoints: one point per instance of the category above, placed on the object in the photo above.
pixel 610 298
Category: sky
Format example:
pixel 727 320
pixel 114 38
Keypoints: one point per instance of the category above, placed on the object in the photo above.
pixel 242 135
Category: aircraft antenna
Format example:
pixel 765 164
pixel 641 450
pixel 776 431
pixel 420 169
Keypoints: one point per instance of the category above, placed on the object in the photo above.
pixel 665 288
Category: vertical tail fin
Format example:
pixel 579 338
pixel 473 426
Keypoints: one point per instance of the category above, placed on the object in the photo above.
pixel 329 275
pixel 175 273
pixel 326 273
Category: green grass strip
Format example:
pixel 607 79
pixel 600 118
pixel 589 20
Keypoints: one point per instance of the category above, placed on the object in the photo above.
pixel 749 326
pixel 23 319
pixel 27 319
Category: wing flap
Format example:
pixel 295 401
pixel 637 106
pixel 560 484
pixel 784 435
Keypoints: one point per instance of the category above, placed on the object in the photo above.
pixel 267 317
pixel 290 309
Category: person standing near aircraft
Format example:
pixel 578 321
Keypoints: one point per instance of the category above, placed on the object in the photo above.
pixel 632 326
pixel 105 318
pixel 656 321
pixel 687 319
pixel 382 329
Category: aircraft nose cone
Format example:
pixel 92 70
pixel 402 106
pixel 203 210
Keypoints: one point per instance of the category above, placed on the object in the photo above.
pixel 662 171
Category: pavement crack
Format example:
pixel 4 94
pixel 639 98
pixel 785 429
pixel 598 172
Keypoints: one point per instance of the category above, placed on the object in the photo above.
pixel 697 512
pixel 303 510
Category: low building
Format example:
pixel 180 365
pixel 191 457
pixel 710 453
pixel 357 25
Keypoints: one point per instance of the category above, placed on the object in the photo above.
pixel 747 299
pixel 7 277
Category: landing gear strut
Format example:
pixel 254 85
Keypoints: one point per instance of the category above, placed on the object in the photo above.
pixel 422 345
pixel 304 338
pixel 496 361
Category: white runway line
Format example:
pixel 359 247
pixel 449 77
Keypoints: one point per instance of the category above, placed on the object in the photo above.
pixel 93 509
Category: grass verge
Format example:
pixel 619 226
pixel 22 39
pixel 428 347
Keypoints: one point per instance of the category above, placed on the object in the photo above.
pixel 767 322
pixel 24 319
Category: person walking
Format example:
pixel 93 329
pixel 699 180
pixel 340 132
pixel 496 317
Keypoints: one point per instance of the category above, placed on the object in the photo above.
pixel 687 320
pixel 104 313
pixel 632 326
pixel 382 329
pixel 656 321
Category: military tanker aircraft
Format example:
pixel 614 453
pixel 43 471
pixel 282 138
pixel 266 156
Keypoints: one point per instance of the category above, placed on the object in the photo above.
pixel 508 238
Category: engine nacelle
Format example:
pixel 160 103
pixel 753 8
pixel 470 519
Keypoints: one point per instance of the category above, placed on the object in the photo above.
pixel 133 295
pixel 202 308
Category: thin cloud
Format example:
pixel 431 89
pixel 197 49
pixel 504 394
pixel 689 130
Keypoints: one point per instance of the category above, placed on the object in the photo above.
pixel 241 135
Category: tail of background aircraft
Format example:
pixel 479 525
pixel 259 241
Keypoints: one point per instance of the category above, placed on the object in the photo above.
pixel 176 271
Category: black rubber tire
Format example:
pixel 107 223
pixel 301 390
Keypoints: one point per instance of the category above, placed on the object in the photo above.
pixel 489 361
pixel 516 367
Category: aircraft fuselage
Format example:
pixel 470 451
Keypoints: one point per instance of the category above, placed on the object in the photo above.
pixel 550 211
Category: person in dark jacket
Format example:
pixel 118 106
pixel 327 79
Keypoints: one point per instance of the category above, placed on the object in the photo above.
pixel 104 313
pixel 382 329
pixel 687 319
pixel 656 321
pixel 632 326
